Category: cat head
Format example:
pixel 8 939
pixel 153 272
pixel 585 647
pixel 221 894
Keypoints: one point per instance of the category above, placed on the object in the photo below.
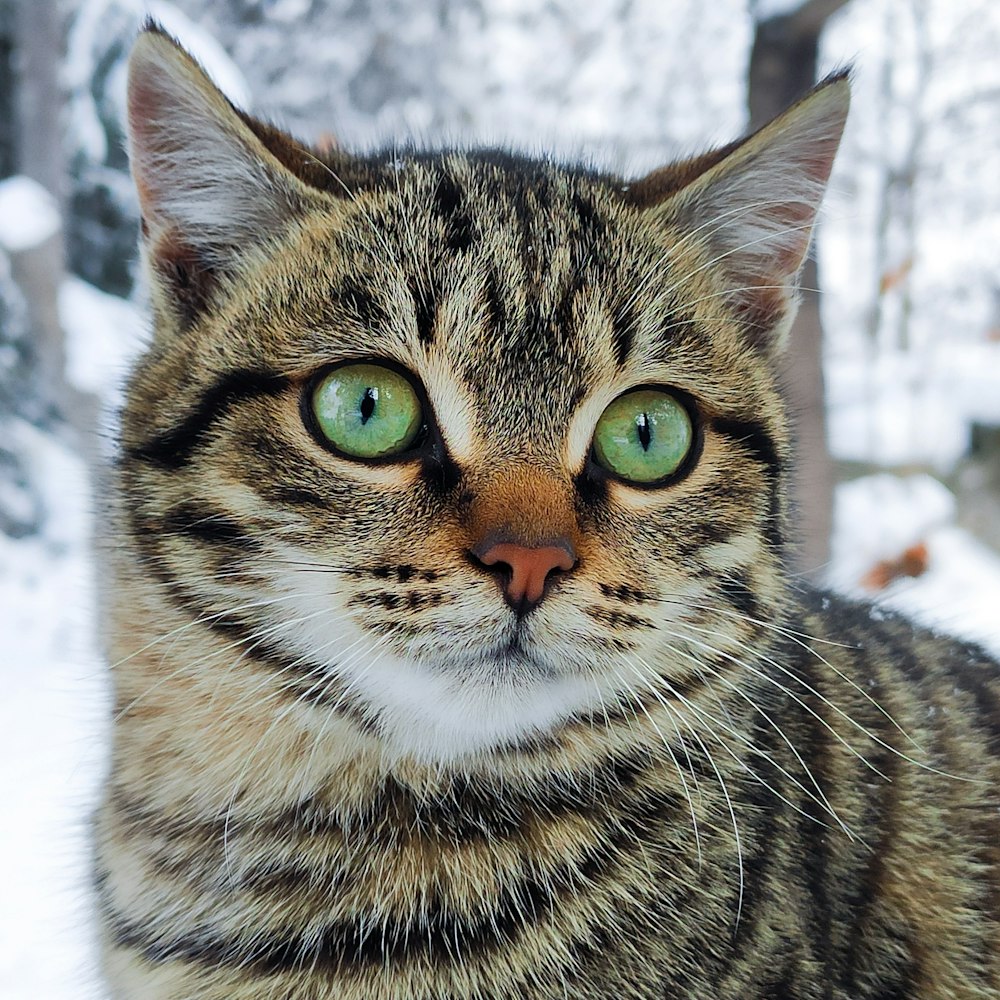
pixel 476 447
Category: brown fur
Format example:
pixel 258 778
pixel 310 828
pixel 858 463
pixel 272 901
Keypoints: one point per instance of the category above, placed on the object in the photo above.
pixel 751 791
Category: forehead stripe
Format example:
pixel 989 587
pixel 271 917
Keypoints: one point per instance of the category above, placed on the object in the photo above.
pixel 425 312
pixel 449 201
pixel 623 333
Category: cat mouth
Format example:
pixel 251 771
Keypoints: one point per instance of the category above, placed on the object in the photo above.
pixel 515 645
pixel 520 650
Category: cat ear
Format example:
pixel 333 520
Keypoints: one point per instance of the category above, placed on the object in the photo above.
pixel 752 205
pixel 208 186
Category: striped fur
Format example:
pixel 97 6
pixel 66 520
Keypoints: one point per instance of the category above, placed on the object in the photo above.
pixel 342 766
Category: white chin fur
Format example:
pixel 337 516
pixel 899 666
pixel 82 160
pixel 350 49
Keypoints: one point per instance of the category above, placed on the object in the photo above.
pixel 436 715
pixel 442 712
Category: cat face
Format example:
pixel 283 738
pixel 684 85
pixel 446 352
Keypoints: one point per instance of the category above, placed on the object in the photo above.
pixel 468 444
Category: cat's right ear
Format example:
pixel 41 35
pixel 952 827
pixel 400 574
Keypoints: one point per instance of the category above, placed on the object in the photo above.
pixel 749 208
pixel 208 187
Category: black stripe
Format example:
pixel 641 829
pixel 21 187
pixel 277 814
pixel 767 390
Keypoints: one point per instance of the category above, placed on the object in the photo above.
pixel 782 984
pixel 425 312
pixel 200 522
pixel 739 594
pixel 623 333
pixel 173 449
pixel 706 533
pixel 867 945
pixel 591 223
pixel 765 818
pixel 460 231
pixel 188 848
pixel 414 600
pixel 437 936
pixel 362 304
pixel 465 811
pixel 898 989
pixel 752 436
pixel 301 677
pixel 625 593
pixel 975 674
pixel 524 201
pixel 496 311
pixel 296 496
pixel 815 743
pixel 434 934
pixel 614 619
pixel 191 280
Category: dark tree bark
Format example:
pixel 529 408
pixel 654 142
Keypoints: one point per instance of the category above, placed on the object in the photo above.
pixel 38 270
pixel 40 30
pixel 782 68
pixel 39 37
pixel 8 119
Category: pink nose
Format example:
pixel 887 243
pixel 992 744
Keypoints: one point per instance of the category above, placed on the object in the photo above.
pixel 529 566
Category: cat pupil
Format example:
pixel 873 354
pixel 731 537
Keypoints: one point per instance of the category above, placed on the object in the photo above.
pixel 645 433
pixel 368 401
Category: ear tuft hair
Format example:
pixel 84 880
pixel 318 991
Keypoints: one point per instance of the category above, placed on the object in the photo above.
pixel 201 173
pixel 753 205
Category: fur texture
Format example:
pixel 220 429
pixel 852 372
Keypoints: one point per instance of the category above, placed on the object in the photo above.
pixel 343 766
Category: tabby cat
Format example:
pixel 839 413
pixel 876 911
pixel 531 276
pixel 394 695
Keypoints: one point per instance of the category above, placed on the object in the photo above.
pixel 454 645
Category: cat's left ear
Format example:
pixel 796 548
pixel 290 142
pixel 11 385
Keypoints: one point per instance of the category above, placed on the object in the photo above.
pixel 213 183
pixel 751 207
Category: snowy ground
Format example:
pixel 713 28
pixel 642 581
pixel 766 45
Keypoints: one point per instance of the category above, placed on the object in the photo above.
pixel 52 735
pixel 879 517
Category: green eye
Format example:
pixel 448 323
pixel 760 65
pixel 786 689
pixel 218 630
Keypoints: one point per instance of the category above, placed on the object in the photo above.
pixel 367 411
pixel 643 436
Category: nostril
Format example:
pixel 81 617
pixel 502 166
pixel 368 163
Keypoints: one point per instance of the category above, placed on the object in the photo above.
pixel 497 567
pixel 522 569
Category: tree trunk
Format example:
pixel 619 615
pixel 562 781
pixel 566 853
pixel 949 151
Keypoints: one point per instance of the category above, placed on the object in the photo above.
pixel 782 68
pixel 38 270
pixel 8 118
pixel 39 34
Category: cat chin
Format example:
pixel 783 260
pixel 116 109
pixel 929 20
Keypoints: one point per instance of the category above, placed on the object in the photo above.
pixel 484 688
pixel 444 715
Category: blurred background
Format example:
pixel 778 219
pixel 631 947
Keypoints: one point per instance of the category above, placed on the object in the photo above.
pixel 893 370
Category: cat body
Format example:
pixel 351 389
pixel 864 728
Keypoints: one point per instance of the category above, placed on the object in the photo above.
pixel 468 693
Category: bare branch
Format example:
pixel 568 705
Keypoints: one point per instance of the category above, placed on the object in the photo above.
pixel 808 20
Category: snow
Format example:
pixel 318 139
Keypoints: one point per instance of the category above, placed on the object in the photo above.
pixel 878 517
pixel 103 336
pixel 100 35
pixel 906 389
pixel 52 737
pixel 896 408
pixel 28 214
pixel 974 371
pixel 959 594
